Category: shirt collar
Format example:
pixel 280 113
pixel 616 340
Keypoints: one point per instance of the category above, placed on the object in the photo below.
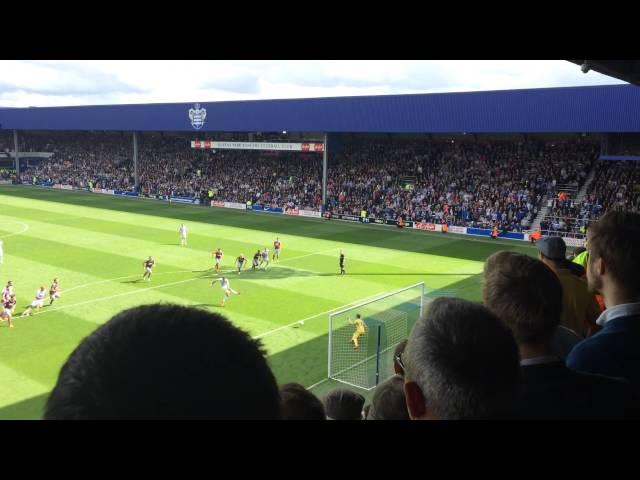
pixel 525 362
pixel 622 310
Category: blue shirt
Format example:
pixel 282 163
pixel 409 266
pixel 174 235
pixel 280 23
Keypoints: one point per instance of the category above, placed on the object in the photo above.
pixel 615 350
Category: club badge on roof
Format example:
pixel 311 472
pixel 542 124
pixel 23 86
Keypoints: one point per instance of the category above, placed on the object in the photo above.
pixel 197 116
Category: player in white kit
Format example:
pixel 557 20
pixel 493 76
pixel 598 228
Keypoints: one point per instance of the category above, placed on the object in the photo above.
pixel 226 289
pixel 183 235
pixel 265 258
pixel 37 303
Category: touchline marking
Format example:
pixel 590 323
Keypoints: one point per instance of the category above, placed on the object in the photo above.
pixel 24 229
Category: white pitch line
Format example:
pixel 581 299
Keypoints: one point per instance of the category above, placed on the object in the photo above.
pixel 118 295
pixel 355 302
pixel 25 225
pixel 132 292
pixel 317 383
pixel 85 285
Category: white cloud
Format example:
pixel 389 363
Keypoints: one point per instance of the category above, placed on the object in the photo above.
pixel 51 82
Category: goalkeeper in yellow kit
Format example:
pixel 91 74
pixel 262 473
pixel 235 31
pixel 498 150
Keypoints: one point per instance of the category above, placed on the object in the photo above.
pixel 360 330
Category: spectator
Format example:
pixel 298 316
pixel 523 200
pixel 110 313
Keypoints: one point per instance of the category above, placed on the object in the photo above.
pixel 461 363
pixel 612 270
pixel 298 403
pixel 526 295
pixel 579 307
pixel 165 362
pixel 389 402
pixel 343 404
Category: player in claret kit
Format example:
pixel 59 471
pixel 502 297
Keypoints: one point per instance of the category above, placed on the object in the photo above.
pixel 241 261
pixel 256 260
pixel 54 291
pixel 8 307
pixel 276 249
pixel 148 268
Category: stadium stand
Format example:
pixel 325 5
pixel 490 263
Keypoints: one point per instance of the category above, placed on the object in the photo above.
pixel 470 184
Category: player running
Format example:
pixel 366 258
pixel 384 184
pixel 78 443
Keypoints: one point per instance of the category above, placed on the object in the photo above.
pixel 226 289
pixel 276 249
pixel 6 294
pixel 7 291
pixel 148 268
pixel 183 235
pixel 218 254
pixel 8 307
pixel 342 272
pixel 54 291
pixel 360 330
pixel 37 303
pixel 256 260
pixel 265 258
pixel 241 261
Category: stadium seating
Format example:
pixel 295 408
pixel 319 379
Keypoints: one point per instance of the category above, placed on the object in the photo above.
pixel 466 184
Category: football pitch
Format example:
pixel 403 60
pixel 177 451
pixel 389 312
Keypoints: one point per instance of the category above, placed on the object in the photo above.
pixel 95 246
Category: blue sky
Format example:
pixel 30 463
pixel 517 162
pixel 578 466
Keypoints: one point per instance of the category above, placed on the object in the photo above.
pixel 42 83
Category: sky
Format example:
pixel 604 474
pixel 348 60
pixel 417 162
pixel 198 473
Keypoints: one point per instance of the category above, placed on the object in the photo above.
pixel 42 83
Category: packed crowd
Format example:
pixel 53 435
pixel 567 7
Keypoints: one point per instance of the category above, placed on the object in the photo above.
pixel 466 184
pixel 616 186
pixel 538 347
pixel 474 185
pixel 281 179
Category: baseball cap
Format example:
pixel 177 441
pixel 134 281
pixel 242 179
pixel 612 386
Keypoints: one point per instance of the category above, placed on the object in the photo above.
pixel 552 247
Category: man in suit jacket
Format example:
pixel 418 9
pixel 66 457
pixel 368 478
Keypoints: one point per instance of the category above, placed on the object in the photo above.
pixel 613 271
pixel 527 296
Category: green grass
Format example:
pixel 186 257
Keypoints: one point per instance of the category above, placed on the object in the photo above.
pixel 95 244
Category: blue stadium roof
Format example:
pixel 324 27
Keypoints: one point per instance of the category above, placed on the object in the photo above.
pixel 613 108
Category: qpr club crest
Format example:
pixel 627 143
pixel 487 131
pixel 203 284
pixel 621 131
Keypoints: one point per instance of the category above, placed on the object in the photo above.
pixel 197 116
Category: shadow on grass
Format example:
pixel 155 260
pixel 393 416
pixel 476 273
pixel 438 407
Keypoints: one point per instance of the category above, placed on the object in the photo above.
pixel 305 362
pixel 410 240
pixel 29 409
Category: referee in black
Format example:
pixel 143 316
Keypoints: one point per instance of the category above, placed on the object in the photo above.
pixel 342 272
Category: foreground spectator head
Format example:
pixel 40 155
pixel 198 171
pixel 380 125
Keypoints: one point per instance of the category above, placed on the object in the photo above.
pixel 166 362
pixel 399 350
pixel 526 295
pixel 580 308
pixel 298 403
pixel 343 404
pixel 388 401
pixel 461 362
pixel 612 270
pixel 553 249
pixel 614 257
